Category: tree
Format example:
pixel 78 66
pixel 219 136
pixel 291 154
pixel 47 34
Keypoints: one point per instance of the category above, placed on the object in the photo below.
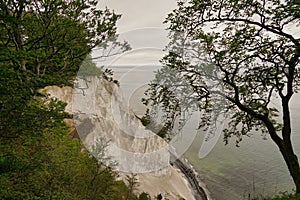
pixel 46 163
pixel 132 182
pixel 234 57
pixel 44 43
pixel 159 197
pixel 49 37
pixel 144 196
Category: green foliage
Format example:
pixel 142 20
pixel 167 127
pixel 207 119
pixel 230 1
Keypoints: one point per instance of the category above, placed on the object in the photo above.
pixel 248 58
pixel 47 163
pixel 256 60
pixel 282 196
pixel 158 129
pixel 89 68
pixel 44 43
pixel 144 196
pixel 20 114
pixel 132 183
pixel 50 39
pixel 39 159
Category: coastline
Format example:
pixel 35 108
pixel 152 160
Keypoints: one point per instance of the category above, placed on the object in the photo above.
pixel 171 182
pixel 196 185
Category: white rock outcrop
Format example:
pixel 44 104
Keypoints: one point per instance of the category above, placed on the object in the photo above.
pixel 101 113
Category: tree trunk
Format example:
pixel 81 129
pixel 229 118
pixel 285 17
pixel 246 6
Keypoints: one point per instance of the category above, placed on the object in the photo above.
pixel 38 67
pixel 286 147
pixel 292 163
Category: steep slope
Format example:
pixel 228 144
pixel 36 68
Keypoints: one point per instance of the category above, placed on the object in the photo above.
pixel 100 114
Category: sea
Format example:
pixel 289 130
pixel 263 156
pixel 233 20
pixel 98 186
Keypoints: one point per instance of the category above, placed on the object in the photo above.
pixel 254 169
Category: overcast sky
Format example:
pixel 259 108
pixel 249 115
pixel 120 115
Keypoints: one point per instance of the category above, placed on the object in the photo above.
pixel 140 13
pixel 141 25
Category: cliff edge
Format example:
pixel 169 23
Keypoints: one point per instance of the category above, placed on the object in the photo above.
pixel 101 113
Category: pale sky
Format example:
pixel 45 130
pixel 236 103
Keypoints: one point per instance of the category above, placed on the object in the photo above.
pixel 141 25
pixel 137 14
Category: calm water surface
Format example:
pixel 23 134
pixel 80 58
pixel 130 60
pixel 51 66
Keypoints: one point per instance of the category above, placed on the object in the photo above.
pixel 254 168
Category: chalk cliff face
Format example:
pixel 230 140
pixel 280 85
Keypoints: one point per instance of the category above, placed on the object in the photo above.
pixel 102 117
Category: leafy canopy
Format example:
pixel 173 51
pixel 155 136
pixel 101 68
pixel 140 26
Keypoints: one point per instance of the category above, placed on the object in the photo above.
pixel 50 38
pixel 237 60
pixel 233 58
pixel 44 43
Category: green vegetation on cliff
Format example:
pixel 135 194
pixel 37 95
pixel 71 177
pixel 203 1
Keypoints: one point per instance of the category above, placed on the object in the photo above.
pixel 44 43
pixel 43 162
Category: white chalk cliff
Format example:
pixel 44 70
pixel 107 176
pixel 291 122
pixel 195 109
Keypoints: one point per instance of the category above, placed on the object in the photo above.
pixel 101 113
